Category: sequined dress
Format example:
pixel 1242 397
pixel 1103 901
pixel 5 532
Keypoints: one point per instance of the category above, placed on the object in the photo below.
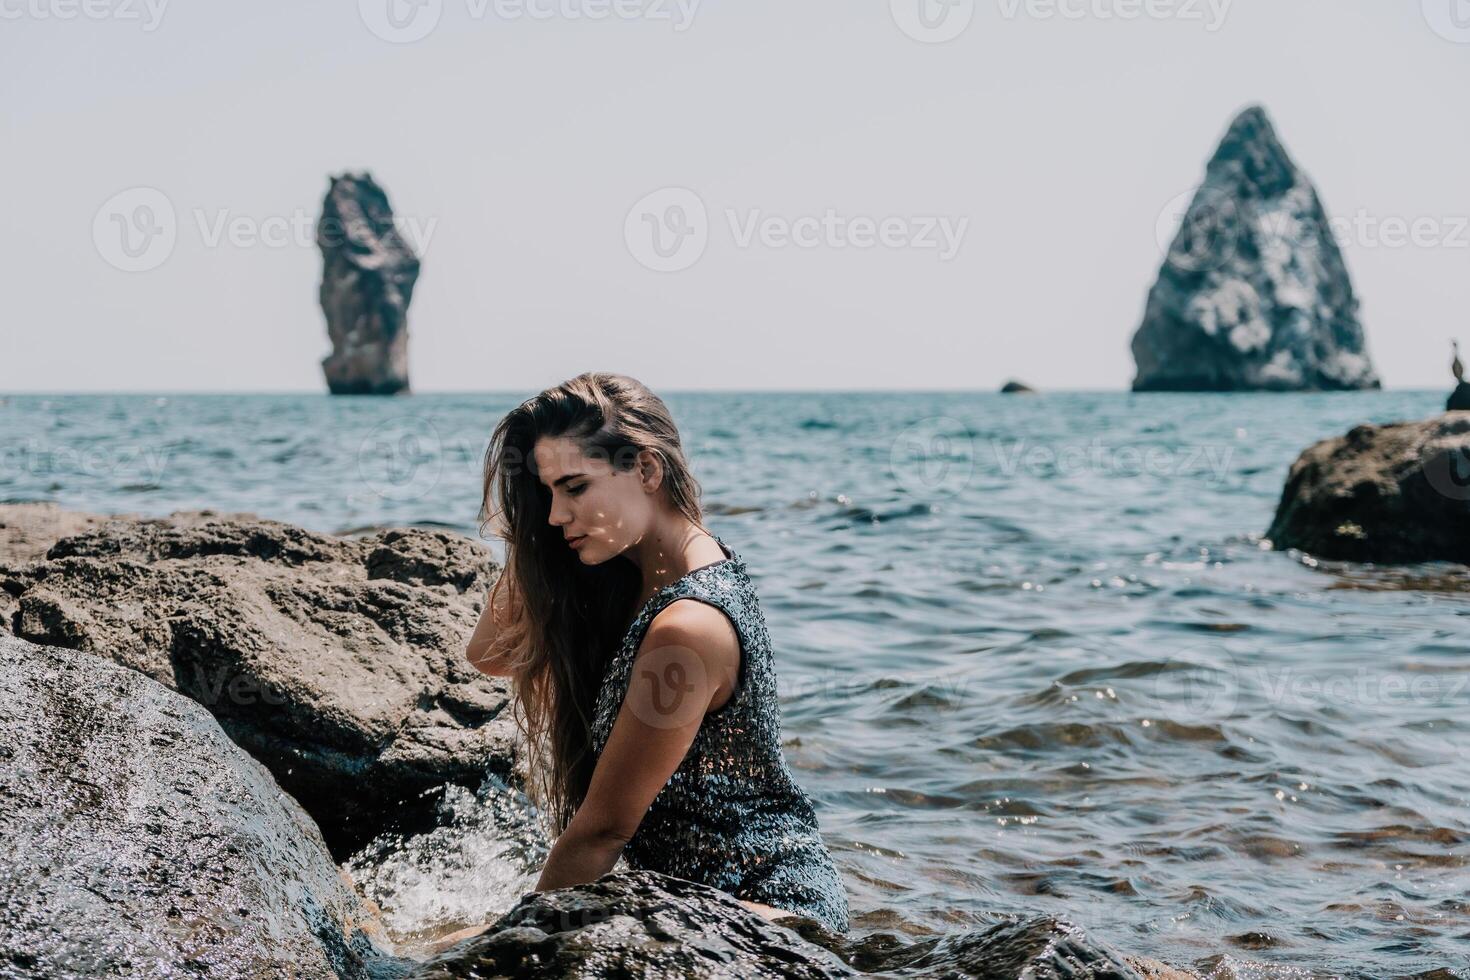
pixel 732 815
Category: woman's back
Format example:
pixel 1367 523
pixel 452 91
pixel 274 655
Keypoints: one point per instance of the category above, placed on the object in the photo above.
pixel 732 815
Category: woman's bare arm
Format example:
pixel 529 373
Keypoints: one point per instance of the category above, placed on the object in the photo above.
pixel 477 652
pixel 688 660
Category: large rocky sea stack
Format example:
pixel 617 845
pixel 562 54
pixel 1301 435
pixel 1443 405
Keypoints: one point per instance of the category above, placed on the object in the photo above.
pixel 1254 294
pixel 368 274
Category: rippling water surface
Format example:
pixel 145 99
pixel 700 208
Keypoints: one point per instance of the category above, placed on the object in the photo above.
pixel 1034 655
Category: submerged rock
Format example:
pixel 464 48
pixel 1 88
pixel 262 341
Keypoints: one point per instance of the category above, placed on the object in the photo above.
pixel 1383 493
pixel 336 662
pixel 368 275
pixel 645 924
pixel 141 842
pixel 1254 293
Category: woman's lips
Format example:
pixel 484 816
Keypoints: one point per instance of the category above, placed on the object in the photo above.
pixel 574 542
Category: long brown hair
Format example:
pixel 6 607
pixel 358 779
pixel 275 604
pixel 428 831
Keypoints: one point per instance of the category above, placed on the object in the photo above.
pixel 559 620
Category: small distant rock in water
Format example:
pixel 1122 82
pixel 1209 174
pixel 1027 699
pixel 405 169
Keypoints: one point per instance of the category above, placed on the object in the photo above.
pixel 1395 493
pixel 1254 294
pixel 368 274
pixel 1014 387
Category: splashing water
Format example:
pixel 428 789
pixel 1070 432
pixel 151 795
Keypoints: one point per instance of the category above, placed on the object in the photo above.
pixel 481 857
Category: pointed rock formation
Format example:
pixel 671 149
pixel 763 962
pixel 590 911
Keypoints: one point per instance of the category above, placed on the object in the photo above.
pixel 368 274
pixel 1254 294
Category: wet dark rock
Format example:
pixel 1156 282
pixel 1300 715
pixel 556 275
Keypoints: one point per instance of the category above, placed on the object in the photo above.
pixel 1394 493
pixel 368 275
pixel 1254 294
pixel 141 842
pixel 1014 387
pixel 336 662
pixel 644 924
pixel 1459 398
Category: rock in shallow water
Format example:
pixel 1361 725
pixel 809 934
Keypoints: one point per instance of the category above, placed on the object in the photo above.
pixel 141 842
pixel 644 924
pixel 1254 293
pixel 336 662
pixel 1382 493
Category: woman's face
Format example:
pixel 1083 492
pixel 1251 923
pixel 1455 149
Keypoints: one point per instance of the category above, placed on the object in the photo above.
pixel 600 508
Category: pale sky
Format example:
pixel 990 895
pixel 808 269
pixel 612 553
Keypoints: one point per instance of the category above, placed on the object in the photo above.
pixel 1046 138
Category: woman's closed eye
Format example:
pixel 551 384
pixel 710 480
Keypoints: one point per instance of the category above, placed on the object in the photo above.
pixel 577 490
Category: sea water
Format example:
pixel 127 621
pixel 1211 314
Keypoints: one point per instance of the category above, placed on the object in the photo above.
pixel 1034 653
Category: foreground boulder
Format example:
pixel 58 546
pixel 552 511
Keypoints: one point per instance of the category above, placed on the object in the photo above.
pixel 141 842
pixel 1254 293
pixel 368 275
pixel 336 662
pixel 1383 493
pixel 644 924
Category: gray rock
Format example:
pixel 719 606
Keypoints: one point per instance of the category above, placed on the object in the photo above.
pixel 1459 398
pixel 141 842
pixel 1254 293
pixel 644 924
pixel 336 662
pixel 1383 493
pixel 368 275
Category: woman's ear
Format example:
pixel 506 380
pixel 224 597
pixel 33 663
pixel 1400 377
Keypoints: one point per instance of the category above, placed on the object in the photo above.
pixel 650 470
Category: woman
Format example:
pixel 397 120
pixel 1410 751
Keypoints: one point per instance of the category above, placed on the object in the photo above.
pixel 642 666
